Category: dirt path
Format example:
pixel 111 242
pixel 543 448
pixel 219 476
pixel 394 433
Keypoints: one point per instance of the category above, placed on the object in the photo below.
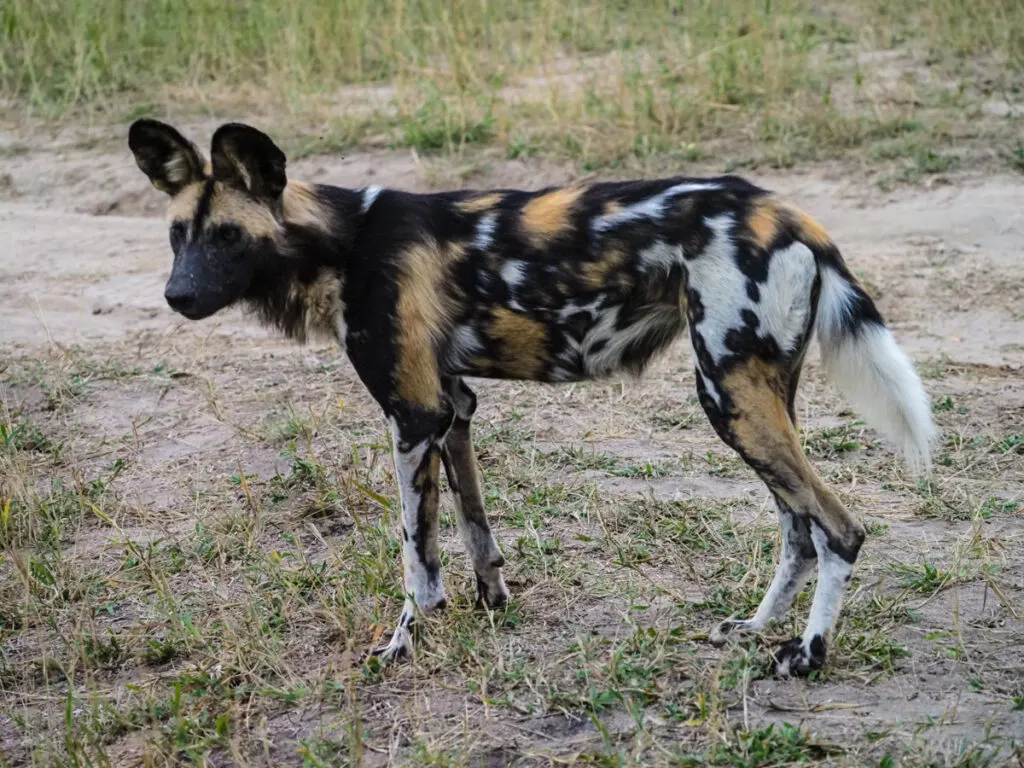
pixel 83 257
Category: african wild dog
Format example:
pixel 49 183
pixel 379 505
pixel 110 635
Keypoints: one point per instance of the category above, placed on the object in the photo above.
pixel 554 285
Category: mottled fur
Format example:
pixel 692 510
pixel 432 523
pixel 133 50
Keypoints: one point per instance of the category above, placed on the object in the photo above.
pixel 555 285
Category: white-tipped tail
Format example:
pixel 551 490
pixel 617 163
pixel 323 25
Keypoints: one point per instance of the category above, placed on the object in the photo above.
pixel 862 358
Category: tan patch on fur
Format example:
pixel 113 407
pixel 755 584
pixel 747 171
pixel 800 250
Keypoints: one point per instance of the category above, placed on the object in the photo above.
pixel 429 469
pixel 764 223
pixel 548 216
pixel 596 274
pixel 612 207
pixel 426 480
pixel 762 424
pixel 763 429
pixel 811 232
pixel 228 206
pixel 424 312
pixel 523 352
pixel 183 205
pixel 478 204
pixel 300 205
pixel 324 310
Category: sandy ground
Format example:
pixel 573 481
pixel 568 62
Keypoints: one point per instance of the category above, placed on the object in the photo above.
pixel 83 257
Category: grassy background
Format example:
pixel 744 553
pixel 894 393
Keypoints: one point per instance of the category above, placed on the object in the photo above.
pixel 193 554
pixel 196 587
pixel 601 82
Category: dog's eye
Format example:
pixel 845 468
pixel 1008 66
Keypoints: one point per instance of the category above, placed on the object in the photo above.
pixel 230 233
pixel 177 235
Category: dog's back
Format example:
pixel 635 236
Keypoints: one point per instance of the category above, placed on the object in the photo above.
pixel 560 284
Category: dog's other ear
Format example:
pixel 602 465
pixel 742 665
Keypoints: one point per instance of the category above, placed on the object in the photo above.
pixel 248 159
pixel 169 159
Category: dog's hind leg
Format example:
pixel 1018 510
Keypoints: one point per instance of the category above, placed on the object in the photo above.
pixel 797 558
pixel 464 478
pixel 748 406
pixel 796 561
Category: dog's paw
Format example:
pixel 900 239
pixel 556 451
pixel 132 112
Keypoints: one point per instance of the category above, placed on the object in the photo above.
pixel 727 630
pixel 492 593
pixel 399 649
pixel 794 657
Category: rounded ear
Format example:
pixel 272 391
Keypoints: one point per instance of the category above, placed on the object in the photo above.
pixel 248 159
pixel 169 159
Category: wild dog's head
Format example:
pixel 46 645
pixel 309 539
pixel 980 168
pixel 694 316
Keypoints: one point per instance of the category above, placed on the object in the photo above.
pixel 226 216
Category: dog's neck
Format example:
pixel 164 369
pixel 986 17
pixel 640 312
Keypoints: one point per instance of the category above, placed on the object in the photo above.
pixel 300 292
pixel 318 217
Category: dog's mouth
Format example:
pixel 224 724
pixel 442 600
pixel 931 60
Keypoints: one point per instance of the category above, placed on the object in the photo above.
pixel 193 313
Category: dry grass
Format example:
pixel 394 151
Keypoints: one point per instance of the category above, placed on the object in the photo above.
pixel 603 84
pixel 193 559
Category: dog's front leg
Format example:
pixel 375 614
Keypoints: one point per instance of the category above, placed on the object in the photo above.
pixel 417 466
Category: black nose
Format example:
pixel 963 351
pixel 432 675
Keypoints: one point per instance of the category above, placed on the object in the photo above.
pixel 180 298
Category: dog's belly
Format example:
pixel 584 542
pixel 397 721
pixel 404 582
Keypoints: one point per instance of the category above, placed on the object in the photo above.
pixel 584 339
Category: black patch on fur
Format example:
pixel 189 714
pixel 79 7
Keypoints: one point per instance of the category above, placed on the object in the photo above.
pixel 862 310
pixel 156 144
pixel 793 651
pixel 248 159
pixel 202 207
pixel 799 540
pixel 726 627
pixel 818 651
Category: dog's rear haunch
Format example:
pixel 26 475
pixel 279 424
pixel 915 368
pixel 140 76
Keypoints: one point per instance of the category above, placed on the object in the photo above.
pixel 555 285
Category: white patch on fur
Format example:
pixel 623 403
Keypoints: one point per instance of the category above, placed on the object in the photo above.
pixel 874 374
pixel 833 576
pixel 513 272
pixel 608 359
pixel 465 344
pixel 651 208
pixel 791 574
pixel 601 332
pixel 399 646
pixel 341 328
pixel 785 297
pixel 244 173
pixel 485 231
pixel 571 308
pixel 722 287
pixel 178 169
pixel 369 196
pixel 834 304
pixel 558 373
pixel 784 301
pixel 572 357
pixel 661 255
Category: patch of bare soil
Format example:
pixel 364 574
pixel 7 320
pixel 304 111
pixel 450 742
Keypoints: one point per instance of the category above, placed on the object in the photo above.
pixel 629 528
